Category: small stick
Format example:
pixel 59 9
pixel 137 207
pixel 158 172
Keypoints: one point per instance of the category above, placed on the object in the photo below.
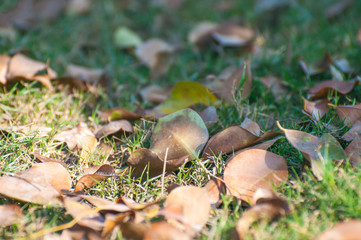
pixel 163 173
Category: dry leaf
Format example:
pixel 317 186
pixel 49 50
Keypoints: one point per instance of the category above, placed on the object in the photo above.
pixel 189 205
pixel 349 113
pixel 322 89
pixel 353 151
pixel 79 232
pixel 9 215
pixel 275 85
pixel 74 137
pixel 215 189
pixel 88 145
pixel 318 67
pixel 147 163
pixel 316 109
pixel 252 169
pixel 209 116
pixel 268 207
pixel 39 184
pixel 251 126
pixel 164 231
pixel 230 79
pixel 88 217
pixel 156 54
pixel 185 94
pixel 338 8
pixel 350 230
pixel 89 180
pixel 354 131
pixel 154 94
pixel 200 34
pixel 48 159
pixel 4 65
pixel 118 113
pixel 343 65
pixel 233 35
pixel 33 129
pixel 116 129
pixel 179 134
pixel 233 139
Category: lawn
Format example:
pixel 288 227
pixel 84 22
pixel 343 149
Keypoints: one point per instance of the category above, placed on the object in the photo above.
pixel 285 35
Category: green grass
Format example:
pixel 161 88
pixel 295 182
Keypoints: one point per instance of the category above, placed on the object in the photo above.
pixel 88 40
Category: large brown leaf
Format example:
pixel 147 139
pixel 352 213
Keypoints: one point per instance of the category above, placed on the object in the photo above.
pixel 253 169
pixel 233 139
pixel 39 184
pixel 189 205
pixel 322 89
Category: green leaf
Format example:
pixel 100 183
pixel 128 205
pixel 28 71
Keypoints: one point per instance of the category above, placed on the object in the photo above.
pixel 126 38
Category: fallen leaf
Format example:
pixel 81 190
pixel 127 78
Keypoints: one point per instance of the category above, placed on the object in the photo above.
pixel 4 65
pixel 179 134
pixel 233 35
pixel 318 67
pixel 115 129
pixel 233 139
pixel 88 145
pixel 229 81
pixel 354 131
pixel 349 113
pixel 79 232
pixel 10 214
pixel 338 8
pixel 86 216
pixel 117 113
pixel 268 207
pixel 79 7
pixel 215 188
pixel 48 159
pixel 274 84
pixel 343 65
pixel 22 67
pixel 155 54
pixel 74 137
pixel 33 129
pixel 316 109
pixel 329 151
pixel 89 180
pixel 154 94
pixel 263 145
pixel 145 162
pixel 209 116
pixel 322 89
pixel 165 231
pixel 336 73
pixel 353 151
pixel 189 205
pixel 343 231
pixel 126 38
pixel 39 184
pixel 185 94
pixel 251 126
pixel 252 169
pixel 200 34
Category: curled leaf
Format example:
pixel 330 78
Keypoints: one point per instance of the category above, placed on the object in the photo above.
pixel 252 169
pixel 320 66
pixel 116 128
pixel 118 113
pixel 48 159
pixel 322 89
pixel 316 109
pixel 73 138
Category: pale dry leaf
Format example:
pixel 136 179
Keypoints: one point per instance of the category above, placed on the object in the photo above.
pixel 209 116
pixel 349 230
pixel 10 214
pixel 73 138
pixel 4 65
pixel 188 205
pixel 33 129
pixel 117 129
pixel 252 169
pixel 215 189
pixel 165 231
pixel 154 94
pixel 40 184
pixel 201 32
pixel 48 159
pixel 233 35
pixel 251 126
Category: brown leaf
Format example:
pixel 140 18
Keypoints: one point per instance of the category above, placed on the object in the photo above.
pixel 229 80
pixel 318 67
pixel 268 207
pixel 79 232
pixel 253 169
pixel 322 89
pixel 10 214
pixel 251 126
pixel 179 135
pixel 87 216
pixel 156 54
pixel 215 189
pixel 74 137
pixel 22 67
pixel 209 116
pixel 89 180
pixel 79 6
pixel 4 64
pixel 233 139
pixel 189 205
pixel 39 184
pixel 155 94
pixel 164 231
pixel 263 145
pixel 115 129
pixel 354 131
pixel 201 33
pixel 48 159
pixel 349 113
pixel 118 113
pixel 343 231
pixel 233 35
pixel 338 8
pixel 353 151
pixel 316 109
pixel 275 85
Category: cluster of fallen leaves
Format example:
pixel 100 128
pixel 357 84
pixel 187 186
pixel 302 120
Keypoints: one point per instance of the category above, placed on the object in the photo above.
pixel 180 136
